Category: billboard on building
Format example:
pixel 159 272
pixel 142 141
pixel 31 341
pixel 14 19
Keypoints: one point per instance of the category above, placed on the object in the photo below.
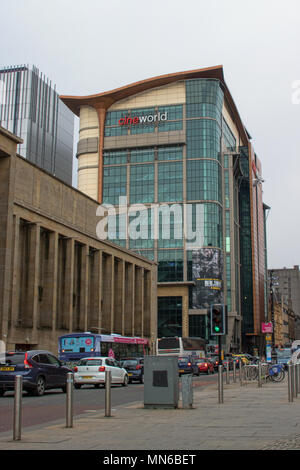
pixel 207 267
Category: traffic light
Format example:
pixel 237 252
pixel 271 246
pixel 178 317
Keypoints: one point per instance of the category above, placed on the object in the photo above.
pixel 217 319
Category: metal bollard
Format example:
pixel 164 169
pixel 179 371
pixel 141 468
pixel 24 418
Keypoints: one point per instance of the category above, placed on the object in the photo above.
pixel 220 384
pixel 298 377
pixel 295 380
pixel 241 373
pixel 18 408
pixel 290 382
pixel 259 375
pixel 69 400
pixel 107 393
pixel 187 391
pixel 234 372
pixel 227 373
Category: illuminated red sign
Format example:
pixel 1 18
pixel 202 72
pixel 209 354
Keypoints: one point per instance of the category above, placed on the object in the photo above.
pixel 150 118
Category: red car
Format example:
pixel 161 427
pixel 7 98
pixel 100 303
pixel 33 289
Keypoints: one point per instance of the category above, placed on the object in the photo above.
pixel 204 365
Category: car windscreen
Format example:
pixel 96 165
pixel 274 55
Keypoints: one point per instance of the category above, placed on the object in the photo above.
pixel 14 358
pixel 183 359
pixel 90 362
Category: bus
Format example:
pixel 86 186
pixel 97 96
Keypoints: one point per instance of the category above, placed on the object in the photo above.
pixel 74 346
pixel 178 346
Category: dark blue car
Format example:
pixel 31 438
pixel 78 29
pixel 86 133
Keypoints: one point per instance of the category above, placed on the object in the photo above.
pixel 40 371
pixel 186 365
pixel 134 367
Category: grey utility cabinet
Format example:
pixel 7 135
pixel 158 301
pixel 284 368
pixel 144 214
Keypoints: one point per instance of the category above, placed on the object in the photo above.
pixel 161 382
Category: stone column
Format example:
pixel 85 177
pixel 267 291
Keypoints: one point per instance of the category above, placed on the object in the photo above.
pixel 31 314
pixel 7 166
pixel 84 288
pixel 15 298
pixel 69 287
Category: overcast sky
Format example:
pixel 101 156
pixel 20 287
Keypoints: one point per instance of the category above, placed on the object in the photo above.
pixel 92 46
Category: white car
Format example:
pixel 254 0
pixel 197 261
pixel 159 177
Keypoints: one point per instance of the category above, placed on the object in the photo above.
pixel 91 371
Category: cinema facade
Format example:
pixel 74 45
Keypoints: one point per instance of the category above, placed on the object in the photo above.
pixel 177 140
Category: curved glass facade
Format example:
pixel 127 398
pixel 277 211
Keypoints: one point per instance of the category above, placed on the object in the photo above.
pixel 174 154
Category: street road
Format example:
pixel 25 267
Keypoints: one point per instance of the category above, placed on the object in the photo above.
pixel 52 406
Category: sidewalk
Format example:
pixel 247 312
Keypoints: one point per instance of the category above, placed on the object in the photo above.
pixel 250 418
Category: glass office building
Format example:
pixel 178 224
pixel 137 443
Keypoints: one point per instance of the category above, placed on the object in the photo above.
pixel 175 146
pixel 30 108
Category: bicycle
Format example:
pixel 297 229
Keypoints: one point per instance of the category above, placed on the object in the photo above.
pixel 273 372
pixel 276 372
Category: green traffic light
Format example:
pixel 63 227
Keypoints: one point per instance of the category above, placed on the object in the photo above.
pixel 217 329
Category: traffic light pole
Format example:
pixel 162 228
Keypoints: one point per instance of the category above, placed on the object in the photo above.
pixel 220 349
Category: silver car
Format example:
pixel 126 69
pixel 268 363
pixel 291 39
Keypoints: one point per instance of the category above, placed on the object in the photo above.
pixel 91 371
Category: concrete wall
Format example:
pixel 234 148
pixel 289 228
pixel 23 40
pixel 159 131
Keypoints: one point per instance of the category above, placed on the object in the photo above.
pixel 56 276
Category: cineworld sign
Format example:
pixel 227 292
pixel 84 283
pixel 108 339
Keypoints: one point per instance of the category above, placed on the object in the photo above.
pixel 128 121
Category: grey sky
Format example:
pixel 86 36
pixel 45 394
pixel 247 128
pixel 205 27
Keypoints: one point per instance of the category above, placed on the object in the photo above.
pixel 96 45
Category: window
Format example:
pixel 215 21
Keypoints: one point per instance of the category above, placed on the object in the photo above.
pixel 169 153
pixel 204 180
pixel 203 138
pixel 115 157
pixel 170 185
pixel 169 316
pixel 170 267
pixel 142 155
pixel 114 183
pixel 141 184
pixel 53 360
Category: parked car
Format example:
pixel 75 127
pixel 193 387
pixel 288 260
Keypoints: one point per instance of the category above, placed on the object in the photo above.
pixel 40 371
pixel 215 361
pixel 91 371
pixel 204 365
pixel 186 365
pixel 134 367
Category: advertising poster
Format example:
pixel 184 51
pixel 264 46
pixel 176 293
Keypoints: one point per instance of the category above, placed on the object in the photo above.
pixel 207 265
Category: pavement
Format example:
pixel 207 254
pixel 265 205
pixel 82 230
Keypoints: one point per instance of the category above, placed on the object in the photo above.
pixel 250 418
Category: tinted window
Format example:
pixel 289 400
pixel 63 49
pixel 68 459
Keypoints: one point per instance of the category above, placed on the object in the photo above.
pixel 183 359
pixel 53 360
pixel 109 362
pixel 15 358
pixel 43 359
pixel 168 343
pixel 129 363
pixel 35 358
pixel 90 362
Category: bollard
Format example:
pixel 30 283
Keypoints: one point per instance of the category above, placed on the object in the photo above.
pixel 298 378
pixel 234 372
pixel 69 400
pixel 220 384
pixel 187 391
pixel 295 380
pixel 259 375
pixel 107 393
pixel 290 383
pixel 227 373
pixel 241 373
pixel 18 408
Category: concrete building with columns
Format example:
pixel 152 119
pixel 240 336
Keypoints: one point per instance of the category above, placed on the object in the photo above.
pixel 178 139
pixel 56 276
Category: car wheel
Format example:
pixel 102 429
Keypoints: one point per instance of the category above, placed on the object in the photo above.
pixel 142 379
pixel 125 381
pixel 64 389
pixel 97 385
pixel 40 387
pixel 2 393
pixel 77 386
